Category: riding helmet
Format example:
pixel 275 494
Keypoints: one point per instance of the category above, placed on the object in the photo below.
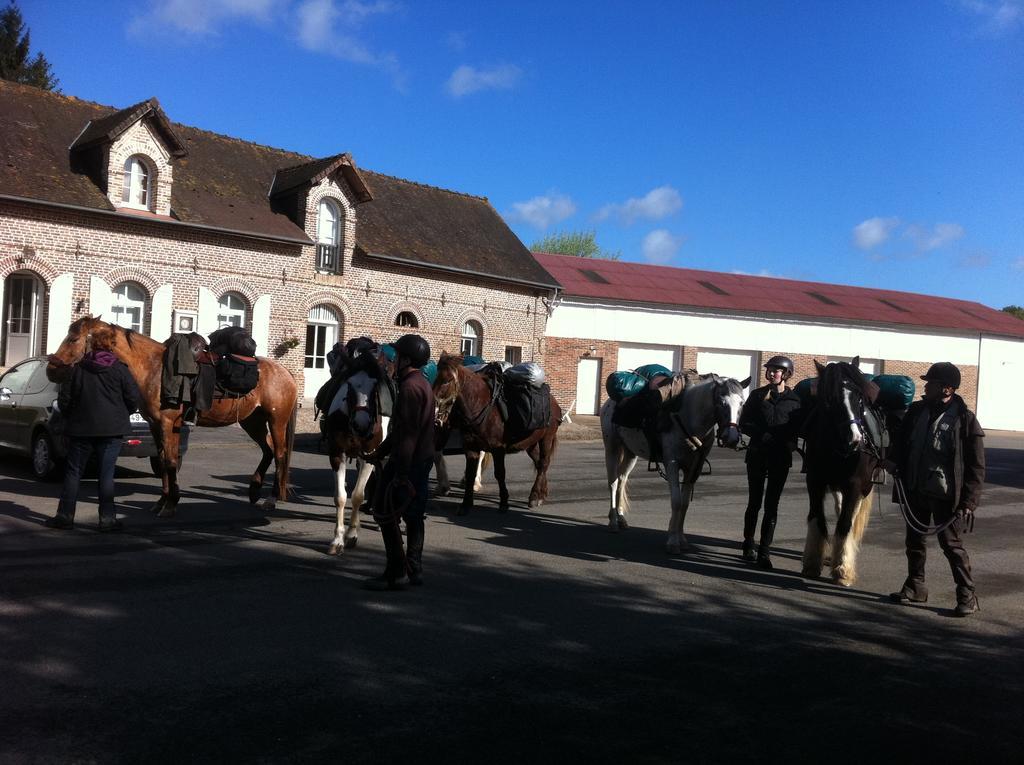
pixel 944 373
pixel 781 362
pixel 414 348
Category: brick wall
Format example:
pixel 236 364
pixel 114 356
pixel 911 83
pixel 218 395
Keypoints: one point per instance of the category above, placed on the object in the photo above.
pixel 367 294
pixel 563 355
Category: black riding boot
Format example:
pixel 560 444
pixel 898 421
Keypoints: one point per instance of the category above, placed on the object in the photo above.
pixel 749 527
pixel 414 533
pixel 764 552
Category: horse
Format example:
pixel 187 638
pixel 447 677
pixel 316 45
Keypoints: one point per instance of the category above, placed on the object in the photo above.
pixel 270 406
pixel 465 401
pixel 706 403
pixel 354 430
pixel 840 458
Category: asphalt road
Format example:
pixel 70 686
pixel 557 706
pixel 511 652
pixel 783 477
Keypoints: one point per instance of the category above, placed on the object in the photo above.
pixel 222 635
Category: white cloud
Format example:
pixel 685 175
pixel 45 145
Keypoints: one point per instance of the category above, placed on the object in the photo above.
pixel 654 205
pixel 940 235
pixel 468 79
pixel 873 232
pixel 200 18
pixel 762 272
pixel 659 246
pixel 327 26
pixel 543 211
pixel 997 16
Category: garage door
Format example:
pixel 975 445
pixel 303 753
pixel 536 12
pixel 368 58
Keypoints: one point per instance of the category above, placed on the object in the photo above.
pixel 999 375
pixel 738 364
pixel 633 356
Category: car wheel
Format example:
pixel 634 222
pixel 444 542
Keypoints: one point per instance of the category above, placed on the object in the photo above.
pixel 44 466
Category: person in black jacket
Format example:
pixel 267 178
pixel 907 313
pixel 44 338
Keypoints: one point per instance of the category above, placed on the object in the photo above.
pixel 401 492
pixel 95 404
pixel 770 418
pixel 939 456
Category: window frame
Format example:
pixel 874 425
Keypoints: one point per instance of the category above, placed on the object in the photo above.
pixel 142 304
pixel 415 324
pixel 328 249
pixel 227 311
pixel 474 338
pixel 316 331
pixel 129 188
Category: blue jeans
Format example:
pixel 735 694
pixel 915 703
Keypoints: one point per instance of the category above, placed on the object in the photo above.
pixel 106 448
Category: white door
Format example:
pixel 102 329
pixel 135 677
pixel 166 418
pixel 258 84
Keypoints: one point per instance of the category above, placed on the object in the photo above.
pixel 633 356
pixel 588 385
pixel 737 364
pixel 1001 365
pixel 21 322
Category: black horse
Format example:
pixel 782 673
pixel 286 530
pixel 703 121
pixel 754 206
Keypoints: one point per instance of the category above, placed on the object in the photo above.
pixel 843 449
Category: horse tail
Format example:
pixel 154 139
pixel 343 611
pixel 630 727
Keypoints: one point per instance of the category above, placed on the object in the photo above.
pixel 289 440
pixel 860 517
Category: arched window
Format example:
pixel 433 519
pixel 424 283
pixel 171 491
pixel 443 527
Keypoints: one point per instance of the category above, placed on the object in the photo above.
pixel 129 306
pixel 406 319
pixel 328 235
pixel 472 338
pixel 135 189
pixel 231 311
pixel 322 332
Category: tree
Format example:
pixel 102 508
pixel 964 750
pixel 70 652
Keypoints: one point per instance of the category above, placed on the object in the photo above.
pixel 582 244
pixel 14 50
pixel 1015 310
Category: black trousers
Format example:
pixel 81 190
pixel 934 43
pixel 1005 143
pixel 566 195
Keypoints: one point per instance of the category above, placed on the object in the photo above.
pixel 937 511
pixel 762 473
pixel 411 510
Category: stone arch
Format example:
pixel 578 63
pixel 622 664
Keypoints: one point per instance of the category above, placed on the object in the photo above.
pixel 467 315
pixel 406 305
pixel 234 284
pixel 329 190
pixel 28 262
pixel 131 274
pixel 325 298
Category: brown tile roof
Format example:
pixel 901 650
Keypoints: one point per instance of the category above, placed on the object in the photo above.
pixel 623 282
pixel 108 128
pixel 291 178
pixel 429 226
pixel 224 183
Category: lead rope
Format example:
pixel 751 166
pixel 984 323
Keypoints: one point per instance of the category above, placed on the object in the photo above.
pixel 913 522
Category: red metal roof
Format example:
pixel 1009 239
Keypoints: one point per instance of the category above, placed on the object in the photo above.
pixel 621 281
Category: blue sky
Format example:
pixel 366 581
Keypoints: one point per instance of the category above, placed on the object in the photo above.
pixel 869 143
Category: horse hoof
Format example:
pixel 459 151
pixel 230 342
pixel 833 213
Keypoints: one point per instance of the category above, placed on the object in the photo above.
pixel 504 508
pixel 439 492
pixel 166 512
pixel 622 522
pixel 351 542
pixel 335 549
pixel 269 506
pixel 842 578
pixel 536 502
pixel 674 549
pixel 254 493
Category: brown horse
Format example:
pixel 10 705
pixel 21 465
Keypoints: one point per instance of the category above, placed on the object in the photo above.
pixel 271 404
pixel 465 402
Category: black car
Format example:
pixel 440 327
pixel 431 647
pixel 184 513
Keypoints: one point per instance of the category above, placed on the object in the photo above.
pixel 30 423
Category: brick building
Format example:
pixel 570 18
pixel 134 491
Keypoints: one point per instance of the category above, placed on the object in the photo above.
pixel 164 227
pixel 615 315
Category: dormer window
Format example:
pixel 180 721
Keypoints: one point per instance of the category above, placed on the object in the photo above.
pixel 328 231
pixel 135 191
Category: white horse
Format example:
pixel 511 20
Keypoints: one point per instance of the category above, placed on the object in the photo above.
pixel 354 428
pixel 707 402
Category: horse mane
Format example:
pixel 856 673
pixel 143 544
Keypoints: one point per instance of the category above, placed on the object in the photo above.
pixel 449 361
pixel 366 362
pixel 831 378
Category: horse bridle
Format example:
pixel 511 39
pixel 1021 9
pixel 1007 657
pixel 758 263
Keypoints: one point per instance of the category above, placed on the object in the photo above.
pixel 722 415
